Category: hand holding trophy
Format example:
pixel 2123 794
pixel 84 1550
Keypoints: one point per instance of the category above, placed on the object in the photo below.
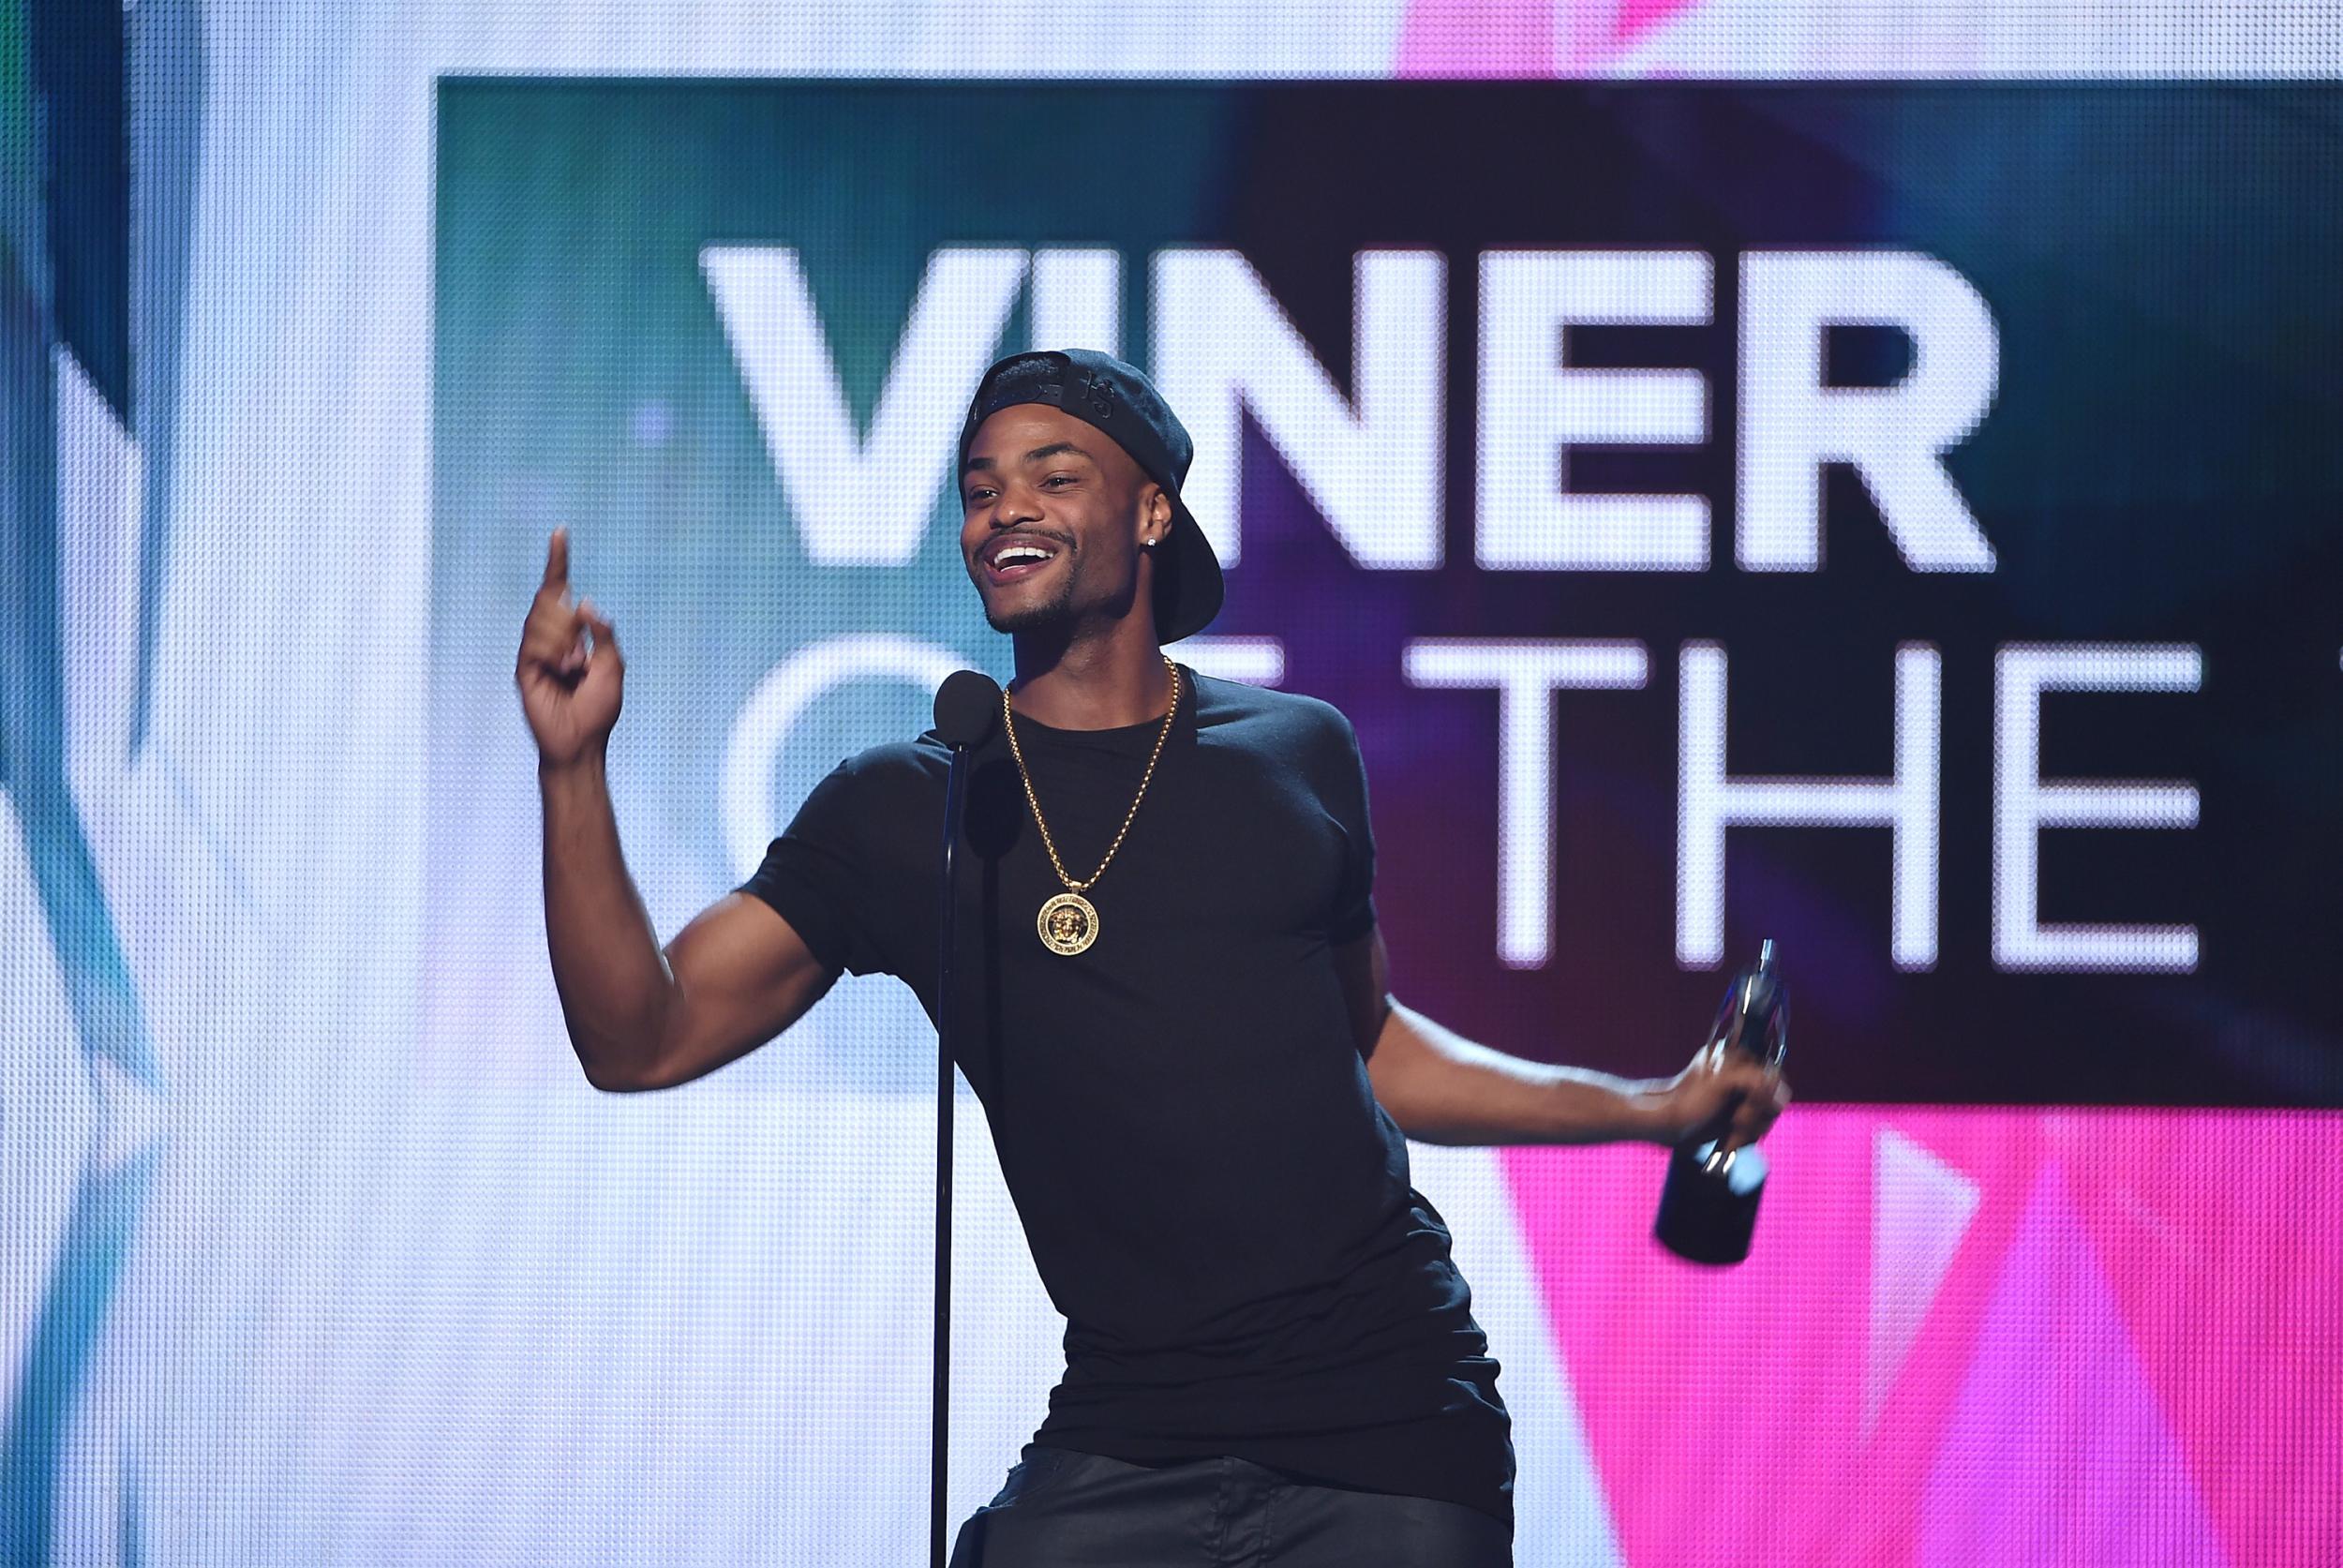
pixel 1709 1207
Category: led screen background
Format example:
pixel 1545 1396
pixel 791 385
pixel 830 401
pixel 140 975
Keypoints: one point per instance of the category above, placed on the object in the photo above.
pixel 319 1251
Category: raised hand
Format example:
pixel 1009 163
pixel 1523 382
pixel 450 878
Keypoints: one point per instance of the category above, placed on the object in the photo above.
pixel 570 672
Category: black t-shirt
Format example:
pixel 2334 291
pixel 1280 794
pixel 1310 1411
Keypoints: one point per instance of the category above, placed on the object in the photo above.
pixel 1213 1196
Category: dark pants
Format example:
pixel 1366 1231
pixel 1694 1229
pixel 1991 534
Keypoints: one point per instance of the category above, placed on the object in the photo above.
pixel 1067 1510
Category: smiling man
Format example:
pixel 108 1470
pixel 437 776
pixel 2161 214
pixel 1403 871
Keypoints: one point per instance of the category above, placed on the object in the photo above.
pixel 1176 1017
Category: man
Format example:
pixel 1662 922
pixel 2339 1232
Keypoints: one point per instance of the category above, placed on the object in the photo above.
pixel 1176 1020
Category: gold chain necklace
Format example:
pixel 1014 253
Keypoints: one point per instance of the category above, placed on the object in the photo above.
pixel 1069 922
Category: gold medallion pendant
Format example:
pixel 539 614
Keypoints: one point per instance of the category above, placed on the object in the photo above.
pixel 1067 924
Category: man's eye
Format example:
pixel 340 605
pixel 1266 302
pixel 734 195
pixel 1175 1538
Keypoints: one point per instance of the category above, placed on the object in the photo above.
pixel 1055 477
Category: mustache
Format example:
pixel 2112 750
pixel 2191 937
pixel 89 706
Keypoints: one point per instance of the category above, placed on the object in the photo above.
pixel 1063 541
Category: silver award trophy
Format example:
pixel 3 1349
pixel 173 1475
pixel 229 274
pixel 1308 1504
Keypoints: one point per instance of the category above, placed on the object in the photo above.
pixel 1708 1208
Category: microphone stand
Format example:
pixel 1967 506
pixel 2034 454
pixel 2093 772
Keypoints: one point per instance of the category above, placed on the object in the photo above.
pixel 967 705
pixel 955 787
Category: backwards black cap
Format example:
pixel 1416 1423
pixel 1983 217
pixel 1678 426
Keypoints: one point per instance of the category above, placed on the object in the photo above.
pixel 1102 391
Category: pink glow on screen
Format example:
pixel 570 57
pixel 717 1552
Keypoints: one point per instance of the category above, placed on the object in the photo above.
pixel 1967 1337
pixel 1522 38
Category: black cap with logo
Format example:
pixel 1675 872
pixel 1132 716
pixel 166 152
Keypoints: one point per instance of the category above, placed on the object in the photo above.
pixel 1102 391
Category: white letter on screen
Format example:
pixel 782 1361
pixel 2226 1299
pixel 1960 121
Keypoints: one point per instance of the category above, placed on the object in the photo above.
pixel 2024 802
pixel 1077 300
pixel 862 500
pixel 1895 436
pixel 1534 409
pixel 1709 801
pixel 1255 661
pixel 1370 465
pixel 744 790
pixel 1526 673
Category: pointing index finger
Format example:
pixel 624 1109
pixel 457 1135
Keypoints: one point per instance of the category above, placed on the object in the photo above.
pixel 558 560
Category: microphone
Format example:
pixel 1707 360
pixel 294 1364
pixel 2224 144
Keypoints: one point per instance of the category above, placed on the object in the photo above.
pixel 967 705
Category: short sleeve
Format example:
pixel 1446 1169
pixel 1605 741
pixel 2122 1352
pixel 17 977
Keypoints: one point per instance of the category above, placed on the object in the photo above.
pixel 1353 914
pixel 816 876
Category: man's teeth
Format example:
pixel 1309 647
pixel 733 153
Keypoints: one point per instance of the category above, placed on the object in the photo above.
pixel 1016 554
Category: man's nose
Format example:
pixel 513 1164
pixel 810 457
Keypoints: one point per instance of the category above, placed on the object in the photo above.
pixel 1018 503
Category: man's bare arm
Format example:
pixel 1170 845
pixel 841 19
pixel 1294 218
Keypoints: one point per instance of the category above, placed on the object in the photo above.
pixel 1442 1088
pixel 638 1018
